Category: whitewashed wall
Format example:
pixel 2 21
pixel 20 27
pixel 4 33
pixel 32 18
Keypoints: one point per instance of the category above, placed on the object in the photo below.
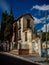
pixel 26 44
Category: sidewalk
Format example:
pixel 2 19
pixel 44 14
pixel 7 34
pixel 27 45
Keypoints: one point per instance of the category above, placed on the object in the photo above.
pixel 29 58
pixel 37 59
pixel 14 52
pixel 32 58
pixel 20 59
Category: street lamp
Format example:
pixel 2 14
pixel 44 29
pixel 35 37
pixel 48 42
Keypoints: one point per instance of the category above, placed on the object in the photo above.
pixel 46 37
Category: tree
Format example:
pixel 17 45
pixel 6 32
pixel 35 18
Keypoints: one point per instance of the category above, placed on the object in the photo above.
pixel 0 35
pixel 8 32
pixel 44 36
pixel 3 24
pixel 7 27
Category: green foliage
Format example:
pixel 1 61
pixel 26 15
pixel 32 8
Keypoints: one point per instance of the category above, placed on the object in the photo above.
pixel 3 24
pixel 44 36
pixel 0 35
pixel 7 32
pixel 6 26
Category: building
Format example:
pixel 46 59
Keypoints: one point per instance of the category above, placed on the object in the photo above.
pixel 36 46
pixel 23 34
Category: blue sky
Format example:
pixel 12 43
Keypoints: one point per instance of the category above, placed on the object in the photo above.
pixel 36 8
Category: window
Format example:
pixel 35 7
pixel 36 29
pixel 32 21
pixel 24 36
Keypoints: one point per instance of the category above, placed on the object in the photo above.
pixel 24 25
pixel 28 23
pixel 14 29
pixel 19 34
pixel 25 36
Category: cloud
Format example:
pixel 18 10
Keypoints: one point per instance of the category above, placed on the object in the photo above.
pixel 48 17
pixel 36 20
pixel 40 23
pixel 4 5
pixel 41 7
pixel 44 27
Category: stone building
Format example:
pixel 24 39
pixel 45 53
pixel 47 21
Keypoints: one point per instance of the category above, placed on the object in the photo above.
pixel 23 33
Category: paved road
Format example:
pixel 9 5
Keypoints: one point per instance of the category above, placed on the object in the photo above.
pixel 6 59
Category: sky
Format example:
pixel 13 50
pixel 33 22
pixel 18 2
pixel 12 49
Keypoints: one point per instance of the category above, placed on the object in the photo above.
pixel 37 8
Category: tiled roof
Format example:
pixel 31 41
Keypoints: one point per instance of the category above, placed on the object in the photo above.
pixel 24 15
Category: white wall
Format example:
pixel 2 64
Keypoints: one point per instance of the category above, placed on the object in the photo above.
pixel 39 47
pixel 29 37
pixel 26 44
